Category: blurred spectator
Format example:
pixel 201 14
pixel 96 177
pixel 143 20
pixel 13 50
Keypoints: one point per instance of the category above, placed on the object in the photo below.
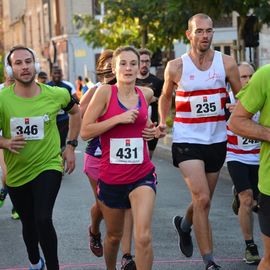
pixel 62 117
pixel 42 77
pixel 87 85
pixel 79 86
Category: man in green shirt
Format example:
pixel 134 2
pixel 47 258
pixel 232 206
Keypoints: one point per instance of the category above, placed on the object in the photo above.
pixel 254 97
pixel 31 144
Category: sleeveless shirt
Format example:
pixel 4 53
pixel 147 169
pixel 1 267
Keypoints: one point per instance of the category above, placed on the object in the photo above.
pixel 242 149
pixel 199 103
pixel 125 157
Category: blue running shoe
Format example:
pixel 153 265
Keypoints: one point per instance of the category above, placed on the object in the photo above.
pixel 42 265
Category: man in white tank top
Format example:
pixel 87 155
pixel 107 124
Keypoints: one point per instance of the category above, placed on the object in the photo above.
pixel 243 165
pixel 199 133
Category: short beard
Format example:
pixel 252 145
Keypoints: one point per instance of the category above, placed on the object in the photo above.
pixel 144 72
pixel 203 50
pixel 26 83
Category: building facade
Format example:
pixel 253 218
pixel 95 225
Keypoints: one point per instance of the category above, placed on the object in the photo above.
pixel 47 27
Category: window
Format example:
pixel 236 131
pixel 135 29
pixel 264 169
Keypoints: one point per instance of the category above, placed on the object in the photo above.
pixel 227 50
pixel 224 48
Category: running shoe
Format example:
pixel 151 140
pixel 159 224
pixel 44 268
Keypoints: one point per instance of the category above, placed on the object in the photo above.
pixel 42 265
pixel 252 254
pixel 184 238
pixel 235 201
pixel 212 266
pixel 14 214
pixel 95 244
pixel 127 262
pixel 3 194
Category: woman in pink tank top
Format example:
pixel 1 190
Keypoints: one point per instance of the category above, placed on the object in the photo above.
pixel 118 114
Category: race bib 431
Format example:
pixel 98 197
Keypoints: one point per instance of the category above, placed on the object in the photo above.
pixel 126 151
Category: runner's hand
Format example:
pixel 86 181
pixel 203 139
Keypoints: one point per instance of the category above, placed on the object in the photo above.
pixel 69 159
pixel 15 144
pixel 149 132
pixel 161 131
pixel 128 117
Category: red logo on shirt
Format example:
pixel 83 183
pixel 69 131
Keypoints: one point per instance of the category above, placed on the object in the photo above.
pixel 26 121
pixel 191 77
pixel 205 99
pixel 127 142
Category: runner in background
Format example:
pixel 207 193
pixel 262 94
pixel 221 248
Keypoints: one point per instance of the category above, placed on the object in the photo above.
pixel 145 78
pixel 42 77
pixel 243 165
pixel 62 117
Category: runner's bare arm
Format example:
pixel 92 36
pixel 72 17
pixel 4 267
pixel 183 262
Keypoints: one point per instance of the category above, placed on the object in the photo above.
pixel 74 129
pixel 86 98
pixel 172 76
pixel 148 93
pixel 149 131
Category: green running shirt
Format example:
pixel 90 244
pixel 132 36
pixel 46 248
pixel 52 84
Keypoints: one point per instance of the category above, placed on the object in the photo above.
pixel 34 117
pixel 255 96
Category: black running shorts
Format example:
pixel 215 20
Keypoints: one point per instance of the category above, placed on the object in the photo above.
pixel 213 155
pixel 244 176
pixel 264 213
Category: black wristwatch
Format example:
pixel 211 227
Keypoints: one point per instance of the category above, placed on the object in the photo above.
pixel 74 143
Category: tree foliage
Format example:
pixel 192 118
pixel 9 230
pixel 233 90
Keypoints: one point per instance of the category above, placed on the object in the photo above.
pixel 156 24
pixel 151 23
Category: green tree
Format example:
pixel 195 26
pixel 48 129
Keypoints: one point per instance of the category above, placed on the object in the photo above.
pixel 156 24
pixel 258 8
pixel 142 23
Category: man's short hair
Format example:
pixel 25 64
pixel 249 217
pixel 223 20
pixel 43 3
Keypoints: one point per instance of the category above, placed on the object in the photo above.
pixel 42 74
pixel 247 64
pixel 198 15
pixel 145 51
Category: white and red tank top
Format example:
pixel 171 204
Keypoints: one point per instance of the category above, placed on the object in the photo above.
pixel 125 157
pixel 199 103
pixel 242 149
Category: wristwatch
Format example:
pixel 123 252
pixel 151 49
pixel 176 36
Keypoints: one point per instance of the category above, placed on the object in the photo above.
pixel 74 143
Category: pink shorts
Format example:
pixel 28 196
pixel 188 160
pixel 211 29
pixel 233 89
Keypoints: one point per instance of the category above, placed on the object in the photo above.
pixel 91 166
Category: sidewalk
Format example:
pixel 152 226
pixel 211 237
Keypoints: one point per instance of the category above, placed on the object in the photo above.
pixel 163 149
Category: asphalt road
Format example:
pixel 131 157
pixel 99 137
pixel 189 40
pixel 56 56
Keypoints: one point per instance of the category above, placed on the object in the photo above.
pixel 71 218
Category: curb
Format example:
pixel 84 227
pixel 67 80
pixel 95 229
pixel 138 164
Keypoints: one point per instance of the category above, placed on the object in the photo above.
pixel 163 149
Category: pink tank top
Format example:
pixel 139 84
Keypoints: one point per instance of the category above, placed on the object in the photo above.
pixel 125 157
